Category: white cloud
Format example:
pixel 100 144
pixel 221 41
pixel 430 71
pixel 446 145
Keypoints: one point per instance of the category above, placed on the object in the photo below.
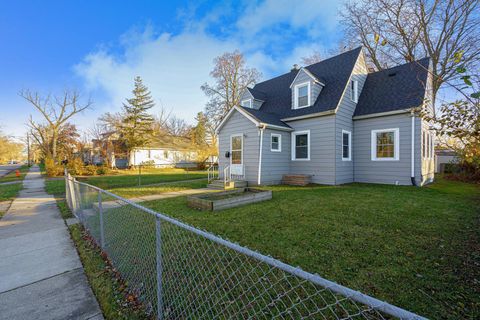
pixel 309 14
pixel 173 67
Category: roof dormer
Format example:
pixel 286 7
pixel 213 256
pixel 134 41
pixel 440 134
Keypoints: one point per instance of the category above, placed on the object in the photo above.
pixel 305 89
pixel 252 99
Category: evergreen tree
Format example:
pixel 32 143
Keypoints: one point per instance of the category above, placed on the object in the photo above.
pixel 136 127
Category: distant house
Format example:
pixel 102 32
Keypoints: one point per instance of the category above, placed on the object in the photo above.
pixel 442 157
pixel 333 122
pixel 110 147
pixel 166 151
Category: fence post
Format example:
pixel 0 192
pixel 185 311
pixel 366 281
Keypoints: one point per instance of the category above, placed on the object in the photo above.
pixel 158 240
pixel 73 195
pixel 102 232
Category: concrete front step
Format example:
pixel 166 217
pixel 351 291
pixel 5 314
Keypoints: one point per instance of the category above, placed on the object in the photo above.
pixel 221 185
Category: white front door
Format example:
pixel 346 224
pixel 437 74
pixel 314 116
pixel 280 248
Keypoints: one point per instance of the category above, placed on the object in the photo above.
pixel 236 154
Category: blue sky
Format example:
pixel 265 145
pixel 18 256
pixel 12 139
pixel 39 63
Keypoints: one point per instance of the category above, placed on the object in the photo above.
pixel 98 47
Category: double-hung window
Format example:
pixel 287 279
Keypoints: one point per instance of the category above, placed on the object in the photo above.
pixel 354 90
pixel 346 145
pixel 276 142
pixel 247 103
pixel 302 95
pixel 385 145
pixel 301 145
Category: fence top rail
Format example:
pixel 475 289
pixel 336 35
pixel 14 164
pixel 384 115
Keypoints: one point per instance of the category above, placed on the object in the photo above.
pixel 357 296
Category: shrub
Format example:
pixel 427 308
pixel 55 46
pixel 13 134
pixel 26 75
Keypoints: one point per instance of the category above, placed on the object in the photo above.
pixel 102 170
pixel 90 170
pixel 76 167
pixel 52 169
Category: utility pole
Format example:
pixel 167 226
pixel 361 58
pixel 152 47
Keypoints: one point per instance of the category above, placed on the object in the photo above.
pixel 28 149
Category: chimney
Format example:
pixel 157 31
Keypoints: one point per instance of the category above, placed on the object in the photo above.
pixel 294 68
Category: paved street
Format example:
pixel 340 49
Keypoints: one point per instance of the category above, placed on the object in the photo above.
pixel 41 276
pixel 4 169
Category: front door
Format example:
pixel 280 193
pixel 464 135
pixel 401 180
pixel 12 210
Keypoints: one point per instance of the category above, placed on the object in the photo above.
pixel 236 152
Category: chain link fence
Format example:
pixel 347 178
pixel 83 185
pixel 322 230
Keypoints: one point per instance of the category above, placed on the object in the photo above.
pixel 180 272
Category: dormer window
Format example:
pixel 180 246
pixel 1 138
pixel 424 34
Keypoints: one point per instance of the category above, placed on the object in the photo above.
pixel 302 95
pixel 246 103
pixel 354 90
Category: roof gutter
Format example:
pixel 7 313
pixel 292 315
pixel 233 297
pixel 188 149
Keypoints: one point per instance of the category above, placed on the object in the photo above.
pixel 382 114
pixel 272 126
pixel 412 164
pixel 311 115
pixel 259 178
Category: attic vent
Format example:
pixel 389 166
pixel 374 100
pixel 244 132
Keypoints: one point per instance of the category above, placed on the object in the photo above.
pixel 294 68
pixel 392 74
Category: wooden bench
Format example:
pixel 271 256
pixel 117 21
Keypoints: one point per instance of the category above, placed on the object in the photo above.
pixel 296 179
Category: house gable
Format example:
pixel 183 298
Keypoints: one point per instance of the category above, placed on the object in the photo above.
pixel 305 78
pixel 251 99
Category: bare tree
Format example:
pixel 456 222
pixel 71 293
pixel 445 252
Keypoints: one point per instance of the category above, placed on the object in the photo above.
pixel 231 78
pixel 314 57
pixel 56 111
pixel 393 31
pixel 177 127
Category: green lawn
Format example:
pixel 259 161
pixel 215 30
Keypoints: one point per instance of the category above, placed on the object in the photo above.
pixel 108 290
pixel 9 191
pixel 13 177
pixel 132 192
pixel 414 247
pixel 130 179
pixel 126 185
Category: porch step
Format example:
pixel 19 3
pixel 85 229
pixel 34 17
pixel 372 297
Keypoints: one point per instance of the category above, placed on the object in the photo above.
pixel 221 185
pixel 296 179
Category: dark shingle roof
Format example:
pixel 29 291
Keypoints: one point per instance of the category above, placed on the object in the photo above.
pixel 265 117
pixel 334 72
pixel 257 94
pixel 397 88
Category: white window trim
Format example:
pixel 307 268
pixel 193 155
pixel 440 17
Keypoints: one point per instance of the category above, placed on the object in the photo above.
pixel 279 142
pixel 349 145
pixel 231 156
pixel 294 134
pixel 354 98
pixel 396 150
pixel 242 103
pixel 295 100
pixel 431 146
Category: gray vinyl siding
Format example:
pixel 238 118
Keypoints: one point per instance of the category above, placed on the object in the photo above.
pixel 343 121
pixel 238 124
pixel 391 172
pixel 275 164
pixel 315 88
pixel 321 165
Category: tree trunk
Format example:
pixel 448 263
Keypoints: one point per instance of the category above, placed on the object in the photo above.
pixel 54 144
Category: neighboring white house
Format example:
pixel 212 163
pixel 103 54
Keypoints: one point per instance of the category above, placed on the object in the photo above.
pixel 167 151
pixel 443 157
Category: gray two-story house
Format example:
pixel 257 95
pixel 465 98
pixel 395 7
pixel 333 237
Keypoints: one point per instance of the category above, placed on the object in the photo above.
pixel 333 122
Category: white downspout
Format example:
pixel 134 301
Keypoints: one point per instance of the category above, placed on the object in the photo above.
pixel 259 179
pixel 412 165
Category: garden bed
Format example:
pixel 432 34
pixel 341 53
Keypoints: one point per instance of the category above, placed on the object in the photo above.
pixel 228 199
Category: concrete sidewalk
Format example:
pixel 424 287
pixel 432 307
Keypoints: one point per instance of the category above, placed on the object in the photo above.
pixel 41 276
